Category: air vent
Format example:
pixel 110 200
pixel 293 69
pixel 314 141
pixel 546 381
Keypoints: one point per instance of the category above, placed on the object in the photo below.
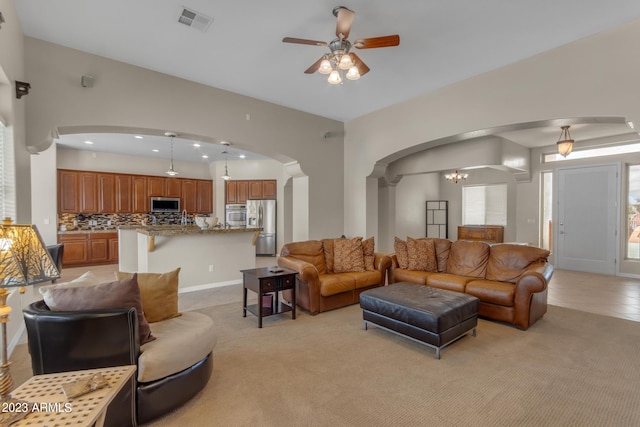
pixel 194 19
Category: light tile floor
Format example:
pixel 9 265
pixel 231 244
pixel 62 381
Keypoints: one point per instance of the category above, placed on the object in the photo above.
pixel 607 295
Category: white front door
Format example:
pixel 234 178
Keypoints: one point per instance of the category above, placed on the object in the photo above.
pixel 587 219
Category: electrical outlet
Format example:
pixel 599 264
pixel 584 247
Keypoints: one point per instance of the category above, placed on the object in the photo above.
pixel 109 222
pixel 211 268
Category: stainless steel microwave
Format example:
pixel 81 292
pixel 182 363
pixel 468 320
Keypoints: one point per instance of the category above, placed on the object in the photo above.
pixel 165 204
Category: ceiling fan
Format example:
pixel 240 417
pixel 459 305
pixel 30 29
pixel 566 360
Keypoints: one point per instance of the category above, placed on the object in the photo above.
pixel 340 59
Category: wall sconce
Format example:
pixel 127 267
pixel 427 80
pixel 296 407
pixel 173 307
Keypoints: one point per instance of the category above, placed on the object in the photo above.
pixel 22 88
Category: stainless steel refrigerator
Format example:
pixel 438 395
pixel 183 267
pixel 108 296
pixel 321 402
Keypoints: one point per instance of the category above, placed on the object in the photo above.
pixel 262 213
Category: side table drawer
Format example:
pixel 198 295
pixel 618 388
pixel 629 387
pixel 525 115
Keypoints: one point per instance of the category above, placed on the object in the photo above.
pixel 288 282
pixel 269 285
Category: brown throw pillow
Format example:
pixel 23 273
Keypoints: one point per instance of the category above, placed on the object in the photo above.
pixel 347 255
pixel 368 251
pixel 400 247
pixel 120 294
pixel 421 254
pixel 158 293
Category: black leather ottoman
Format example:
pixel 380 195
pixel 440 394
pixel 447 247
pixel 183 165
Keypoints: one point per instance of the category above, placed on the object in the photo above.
pixel 430 316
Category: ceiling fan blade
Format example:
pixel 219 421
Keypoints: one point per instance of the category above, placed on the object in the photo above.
pixel 362 67
pixel 345 19
pixel 386 41
pixel 304 41
pixel 314 67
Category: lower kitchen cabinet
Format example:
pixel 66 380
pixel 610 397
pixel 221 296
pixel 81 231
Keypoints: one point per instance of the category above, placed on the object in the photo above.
pixel 82 249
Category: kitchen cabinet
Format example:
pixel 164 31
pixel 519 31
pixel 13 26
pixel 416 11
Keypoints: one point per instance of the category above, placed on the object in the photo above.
pixel 83 249
pixel 124 193
pixel 139 196
pixel 236 192
pixel 205 196
pixel 173 187
pixel 88 192
pixel 106 192
pixel 156 186
pixel 189 191
pixel 68 192
pixel 255 189
pixel 269 189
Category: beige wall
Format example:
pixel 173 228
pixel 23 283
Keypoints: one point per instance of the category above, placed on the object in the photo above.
pixel 592 77
pixel 129 97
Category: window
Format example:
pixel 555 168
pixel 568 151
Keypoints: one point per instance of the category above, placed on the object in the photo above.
pixel 633 212
pixel 594 152
pixel 484 204
pixel 7 176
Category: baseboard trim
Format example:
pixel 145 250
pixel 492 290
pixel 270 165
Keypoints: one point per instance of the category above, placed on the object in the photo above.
pixel 208 286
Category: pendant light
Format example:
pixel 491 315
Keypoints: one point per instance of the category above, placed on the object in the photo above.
pixel 226 175
pixel 565 143
pixel 171 171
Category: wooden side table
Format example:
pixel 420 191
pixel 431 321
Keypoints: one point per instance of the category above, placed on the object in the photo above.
pixel 52 408
pixel 265 281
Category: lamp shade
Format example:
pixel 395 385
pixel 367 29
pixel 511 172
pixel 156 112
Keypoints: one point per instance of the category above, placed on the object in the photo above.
pixel 24 260
pixel 565 142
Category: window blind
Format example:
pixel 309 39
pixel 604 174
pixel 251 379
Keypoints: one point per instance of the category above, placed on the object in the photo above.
pixel 7 175
pixel 484 204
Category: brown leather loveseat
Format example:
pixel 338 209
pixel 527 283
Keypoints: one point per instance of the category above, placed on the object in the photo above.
pixel 329 279
pixel 509 279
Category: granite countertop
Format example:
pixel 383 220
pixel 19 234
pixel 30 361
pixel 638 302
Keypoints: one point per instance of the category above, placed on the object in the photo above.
pixel 177 230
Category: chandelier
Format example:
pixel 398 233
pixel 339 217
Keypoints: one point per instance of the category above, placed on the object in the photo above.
pixel 456 176
pixel 565 143
pixel 171 171
pixel 339 63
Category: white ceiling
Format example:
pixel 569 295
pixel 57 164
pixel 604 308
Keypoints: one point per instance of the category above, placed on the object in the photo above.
pixel 441 42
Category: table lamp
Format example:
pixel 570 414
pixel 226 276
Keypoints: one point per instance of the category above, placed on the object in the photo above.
pixel 24 261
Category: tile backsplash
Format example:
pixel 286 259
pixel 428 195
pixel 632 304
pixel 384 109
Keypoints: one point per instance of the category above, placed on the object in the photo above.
pixel 106 221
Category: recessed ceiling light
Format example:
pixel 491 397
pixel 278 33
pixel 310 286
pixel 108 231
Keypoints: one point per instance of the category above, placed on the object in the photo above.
pixel 195 144
pixel 155 150
pixel 89 142
pixel 631 125
pixel 139 137
pixel 204 156
pixel 242 156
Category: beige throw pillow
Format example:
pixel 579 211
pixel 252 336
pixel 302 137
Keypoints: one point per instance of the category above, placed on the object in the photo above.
pixel 87 279
pixel 347 255
pixel 158 293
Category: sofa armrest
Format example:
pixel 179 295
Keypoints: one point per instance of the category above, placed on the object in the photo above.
pixel 307 272
pixel 382 263
pixel 61 341
pixel 532 282
pixel 393 264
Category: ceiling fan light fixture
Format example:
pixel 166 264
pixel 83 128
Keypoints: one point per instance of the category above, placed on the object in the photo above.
pixel 565 143
pixel 345 62
pixel 334 77
pixel 353 73
pixel 325 67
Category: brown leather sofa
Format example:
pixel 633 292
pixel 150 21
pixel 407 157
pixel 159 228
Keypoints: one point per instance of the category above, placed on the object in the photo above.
pixel 509 279
pixel 318 287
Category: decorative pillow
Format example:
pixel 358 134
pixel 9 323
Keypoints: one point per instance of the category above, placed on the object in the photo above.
pixel 158 294
pixel 87 279
pixel 347 255
pixel 400 247
pixel 120 294
pixel 421 254
pixel 368 252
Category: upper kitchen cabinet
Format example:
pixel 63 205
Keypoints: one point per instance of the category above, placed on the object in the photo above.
pixel 68 192
pixel 88 192
pixel 139 196
pixel 269 189
pixel 173 187
pixel 107 193
pixel 189 191
pixel 236 192
pixel 255 189
pixel 205 196
pixel 124 193
pixel 156 186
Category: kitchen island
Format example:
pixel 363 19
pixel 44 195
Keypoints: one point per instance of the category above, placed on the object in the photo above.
pixel 207 258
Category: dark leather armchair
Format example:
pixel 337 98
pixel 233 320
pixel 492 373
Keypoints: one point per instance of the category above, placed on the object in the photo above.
pixel 67 341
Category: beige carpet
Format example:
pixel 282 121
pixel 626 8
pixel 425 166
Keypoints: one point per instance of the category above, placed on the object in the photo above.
pixel 570 369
